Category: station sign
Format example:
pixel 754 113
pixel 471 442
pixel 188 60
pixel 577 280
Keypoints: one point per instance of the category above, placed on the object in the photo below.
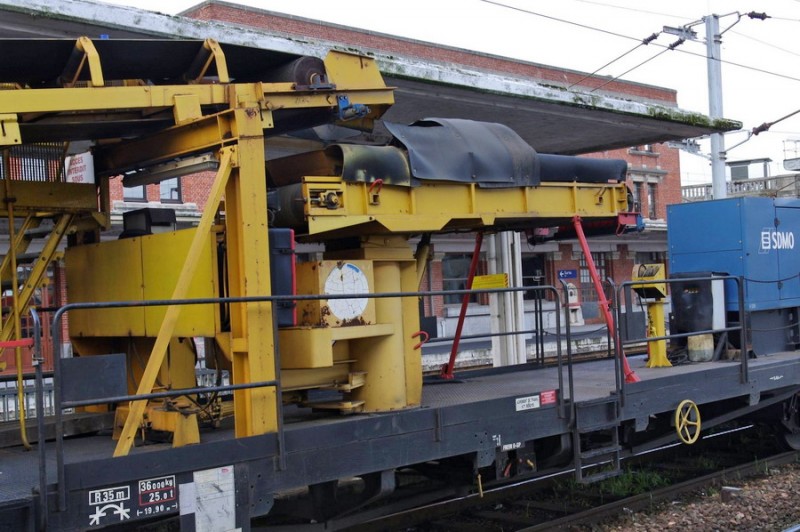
pixel 567 274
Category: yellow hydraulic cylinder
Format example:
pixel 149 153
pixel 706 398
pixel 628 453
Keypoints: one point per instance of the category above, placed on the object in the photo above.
pixel 646 277
pixel 383 358
pixel 657 349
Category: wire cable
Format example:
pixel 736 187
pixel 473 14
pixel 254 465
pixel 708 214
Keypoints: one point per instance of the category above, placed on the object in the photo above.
pixel 740 34
pixel 662 52
pixel 782 328
pixel 772 281
pixel 626 8
pixel 550 17
pixel 644 42
pixel 628 37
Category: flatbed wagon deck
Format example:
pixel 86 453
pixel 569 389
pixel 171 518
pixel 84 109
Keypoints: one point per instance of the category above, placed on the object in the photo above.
pixel 480 412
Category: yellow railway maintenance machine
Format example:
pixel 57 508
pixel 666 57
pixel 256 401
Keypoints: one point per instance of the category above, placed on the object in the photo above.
pixel 147 105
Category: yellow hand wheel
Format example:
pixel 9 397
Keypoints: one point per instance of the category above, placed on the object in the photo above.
pixel 687 421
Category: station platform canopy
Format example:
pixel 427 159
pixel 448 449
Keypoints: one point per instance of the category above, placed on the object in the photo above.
pixel 551 119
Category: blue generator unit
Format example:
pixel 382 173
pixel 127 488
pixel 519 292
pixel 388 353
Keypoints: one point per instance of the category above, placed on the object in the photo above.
pixel 755 238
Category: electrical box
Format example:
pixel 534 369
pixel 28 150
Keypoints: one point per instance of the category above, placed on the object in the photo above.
pixel 754 237
pixel 696 305
pixel 282 273
pixel 330 277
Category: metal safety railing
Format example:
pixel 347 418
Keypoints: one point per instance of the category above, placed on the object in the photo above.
pixel 61 405
pixel 618 369
pixel 624 294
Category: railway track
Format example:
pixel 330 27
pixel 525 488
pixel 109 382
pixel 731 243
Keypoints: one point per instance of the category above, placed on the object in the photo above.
pixel 646 500
pixel 556 501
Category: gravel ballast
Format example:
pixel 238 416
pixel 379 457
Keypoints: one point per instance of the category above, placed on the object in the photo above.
pixel 766 503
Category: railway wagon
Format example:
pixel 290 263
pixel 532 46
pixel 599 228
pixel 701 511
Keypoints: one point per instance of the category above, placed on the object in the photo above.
pixel 325 410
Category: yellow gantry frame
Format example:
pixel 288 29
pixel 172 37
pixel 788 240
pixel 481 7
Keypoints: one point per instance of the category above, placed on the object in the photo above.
pixel 437 206
pixel 237 136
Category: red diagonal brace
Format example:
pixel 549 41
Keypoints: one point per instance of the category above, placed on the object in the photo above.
pixel 447 369
pixel 630 375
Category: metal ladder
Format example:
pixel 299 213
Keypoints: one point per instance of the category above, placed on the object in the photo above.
pixel 599 418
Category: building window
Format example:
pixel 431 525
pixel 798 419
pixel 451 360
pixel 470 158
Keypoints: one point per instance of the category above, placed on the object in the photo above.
pixel 601 262
pixel 651 201
pixel 171 190
pixel 651 257
pixel 137 193
pixel 33 162
pixel 637 196
pixel 455 271
pixel 533 274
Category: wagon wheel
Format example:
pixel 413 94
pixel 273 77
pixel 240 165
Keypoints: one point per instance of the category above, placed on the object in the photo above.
pixel 791 423
pixel 687 421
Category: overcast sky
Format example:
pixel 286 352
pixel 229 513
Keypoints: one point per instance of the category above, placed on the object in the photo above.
pixel 761 78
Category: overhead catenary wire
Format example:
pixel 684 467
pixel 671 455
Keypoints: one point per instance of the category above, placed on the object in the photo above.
pixel 740 34
pixel 645 42
pixel 557 19
pixel 635 10
pixel 760 16
pixel 668 49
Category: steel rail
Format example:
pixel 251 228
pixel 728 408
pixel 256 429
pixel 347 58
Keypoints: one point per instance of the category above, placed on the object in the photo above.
pixel 644 500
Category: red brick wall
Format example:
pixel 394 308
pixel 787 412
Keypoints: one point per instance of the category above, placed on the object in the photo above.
pixel 665 159
pixel 195 188
pixel 434 273
pixel 670 190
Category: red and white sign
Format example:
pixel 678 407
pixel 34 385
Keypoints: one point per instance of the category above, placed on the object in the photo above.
pixel 548 397
pixel 80 168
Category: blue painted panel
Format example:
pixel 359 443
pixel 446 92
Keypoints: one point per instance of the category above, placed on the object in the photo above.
pixel 760 267
pixel 786 241
pixel 704 226
pixel 733 236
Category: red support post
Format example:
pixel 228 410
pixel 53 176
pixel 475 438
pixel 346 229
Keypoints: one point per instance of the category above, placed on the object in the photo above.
pixel 630 375
pixel 447 369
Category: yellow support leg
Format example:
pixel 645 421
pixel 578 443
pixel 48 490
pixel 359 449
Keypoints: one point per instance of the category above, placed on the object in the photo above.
pixel 655 327
pixel 252 342
pixel 392 365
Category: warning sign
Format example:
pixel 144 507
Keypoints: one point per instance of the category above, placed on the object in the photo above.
pixel 497 280
pixel 548 397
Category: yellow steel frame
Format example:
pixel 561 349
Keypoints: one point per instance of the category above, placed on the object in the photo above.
pixel 237 137
pixel 18 246
pixel 37 273
pixel 84 48
pixel 436 206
